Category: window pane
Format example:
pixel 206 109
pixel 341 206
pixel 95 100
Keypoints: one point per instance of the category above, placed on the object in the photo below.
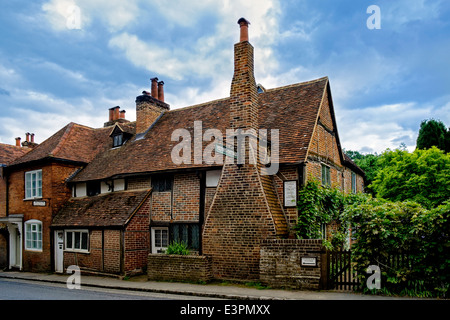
pixel 84 241
pixel 27 185
pixel 158 238
pixel 69 240
pixel 164 237
pixel 33 184
pixel 195 236
pixel 176 233
pixel 184 235
pixel 77 240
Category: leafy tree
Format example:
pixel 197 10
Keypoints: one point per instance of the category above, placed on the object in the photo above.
pixel 421 176
pixel 433 133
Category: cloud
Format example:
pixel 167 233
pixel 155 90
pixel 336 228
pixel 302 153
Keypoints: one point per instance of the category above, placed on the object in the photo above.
pixel 114 14
pixel 377 128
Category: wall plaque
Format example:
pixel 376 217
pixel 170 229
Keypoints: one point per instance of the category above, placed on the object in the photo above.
pixel 309 261
pixel 290 193
pixel 39 203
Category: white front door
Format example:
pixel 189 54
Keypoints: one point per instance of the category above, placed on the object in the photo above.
pixel 15 246
pixel 59 251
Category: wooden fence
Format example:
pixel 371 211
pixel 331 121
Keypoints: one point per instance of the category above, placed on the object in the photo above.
pixel 340 274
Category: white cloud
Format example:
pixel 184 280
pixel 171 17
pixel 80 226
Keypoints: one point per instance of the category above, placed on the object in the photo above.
pixel 378 128
pixel 115 14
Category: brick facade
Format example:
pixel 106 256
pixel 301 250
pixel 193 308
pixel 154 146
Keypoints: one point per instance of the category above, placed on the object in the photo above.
pixel 55 193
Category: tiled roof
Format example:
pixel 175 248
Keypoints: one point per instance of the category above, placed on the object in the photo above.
pixel 74 142
pixel 110 209
pixel 9 153
pixel 292 109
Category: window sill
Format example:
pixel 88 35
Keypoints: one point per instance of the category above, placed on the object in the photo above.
pixel 32 199
pixel 33 250
pixel 77 251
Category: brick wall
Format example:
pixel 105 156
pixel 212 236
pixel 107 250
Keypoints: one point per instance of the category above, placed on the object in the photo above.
pixel 139 183
pixel 167 267
pixel 137 241
pixel 161 209
pixel 280 264
pixel 92 261
pixel 180 204
pixel 104 253
pixel 186 197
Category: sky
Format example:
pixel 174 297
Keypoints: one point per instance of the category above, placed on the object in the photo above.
pixel 65 61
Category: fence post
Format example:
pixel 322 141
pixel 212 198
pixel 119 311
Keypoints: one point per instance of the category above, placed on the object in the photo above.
pixel 324 270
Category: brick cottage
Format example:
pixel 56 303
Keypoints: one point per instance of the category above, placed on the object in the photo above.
pixel 110 197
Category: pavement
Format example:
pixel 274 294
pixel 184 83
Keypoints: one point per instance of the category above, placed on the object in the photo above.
pixel 213 290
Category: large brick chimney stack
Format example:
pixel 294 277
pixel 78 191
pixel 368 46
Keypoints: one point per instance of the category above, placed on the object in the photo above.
pixel 243 94
pixel 244 210
pixel 149 106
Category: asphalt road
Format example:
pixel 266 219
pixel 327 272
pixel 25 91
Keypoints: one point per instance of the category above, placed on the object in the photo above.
pixel 14 289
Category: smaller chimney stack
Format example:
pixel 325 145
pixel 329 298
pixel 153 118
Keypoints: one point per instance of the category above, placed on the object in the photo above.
pixel 154 87
pixel 161 91
pixel 111 114
pixel 29 143
pixel 18 141
pixel 115 116
pixel 116 113
pixel 244 29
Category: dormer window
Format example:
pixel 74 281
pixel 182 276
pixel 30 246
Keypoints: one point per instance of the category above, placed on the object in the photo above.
pixel 117 140
pixel 119 136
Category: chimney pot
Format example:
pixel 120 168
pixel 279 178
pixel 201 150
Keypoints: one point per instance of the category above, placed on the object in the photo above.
pixel 122 114
pixel 32 138
pixel 18 141
pixel 154 87
pixel 161 91
pixel 243 23
pixel 28 136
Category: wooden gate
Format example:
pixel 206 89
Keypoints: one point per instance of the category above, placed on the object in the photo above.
pixel 340 274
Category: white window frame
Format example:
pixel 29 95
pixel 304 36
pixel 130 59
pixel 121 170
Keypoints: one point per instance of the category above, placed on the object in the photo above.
pixel 159 247
pixel 33 235
pixel 72 233
pixel 33 192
